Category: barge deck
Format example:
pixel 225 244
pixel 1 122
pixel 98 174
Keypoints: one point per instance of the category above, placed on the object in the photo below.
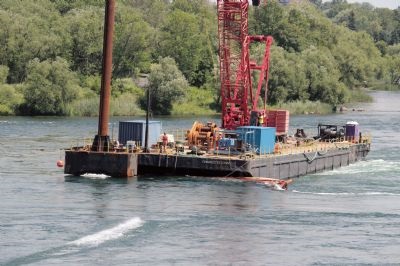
pixel 289 162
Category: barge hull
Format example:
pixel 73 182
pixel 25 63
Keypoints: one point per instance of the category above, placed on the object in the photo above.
pixel 295 165
pixel 274 166
pixel 109 163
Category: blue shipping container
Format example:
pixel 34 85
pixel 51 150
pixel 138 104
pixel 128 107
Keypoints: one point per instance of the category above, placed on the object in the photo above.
pixel 261 139
pixel 136 130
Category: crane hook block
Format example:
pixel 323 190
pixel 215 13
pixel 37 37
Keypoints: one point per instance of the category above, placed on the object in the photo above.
pixel 256 2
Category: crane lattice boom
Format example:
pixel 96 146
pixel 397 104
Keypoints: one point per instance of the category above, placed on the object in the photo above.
pixel 237 93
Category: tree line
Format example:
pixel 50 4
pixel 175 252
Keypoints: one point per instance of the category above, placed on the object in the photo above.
pixel 50 54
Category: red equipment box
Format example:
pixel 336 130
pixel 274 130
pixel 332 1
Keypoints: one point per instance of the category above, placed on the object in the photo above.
pixel 278 119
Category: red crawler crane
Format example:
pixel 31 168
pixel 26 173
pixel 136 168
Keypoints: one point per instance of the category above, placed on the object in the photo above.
pixel 239 98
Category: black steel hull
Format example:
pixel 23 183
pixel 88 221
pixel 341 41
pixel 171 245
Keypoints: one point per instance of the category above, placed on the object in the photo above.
pixel 276 166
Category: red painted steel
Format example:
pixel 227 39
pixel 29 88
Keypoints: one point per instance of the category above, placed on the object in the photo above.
pixel 238 96
pixel 278 119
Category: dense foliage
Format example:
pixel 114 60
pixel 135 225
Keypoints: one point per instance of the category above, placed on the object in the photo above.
pixel 50 53
pixel 318 58
pixel 166 85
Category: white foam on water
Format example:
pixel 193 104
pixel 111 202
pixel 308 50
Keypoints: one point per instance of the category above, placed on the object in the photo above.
pixel 373 166
pixel 109 234
pixel 95 176
pixel 278 187
pixel 379 193
pixel 372 193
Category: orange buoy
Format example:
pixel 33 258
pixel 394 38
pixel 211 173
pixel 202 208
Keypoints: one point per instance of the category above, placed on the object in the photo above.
pixel 60 163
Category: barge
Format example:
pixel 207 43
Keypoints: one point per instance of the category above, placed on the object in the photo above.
pixel 252 142
pixel 294 157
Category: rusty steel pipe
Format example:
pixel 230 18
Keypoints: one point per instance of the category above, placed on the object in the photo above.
pixel 105 93
pixel 102 140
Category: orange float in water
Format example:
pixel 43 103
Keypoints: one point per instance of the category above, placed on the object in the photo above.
pixel 60 163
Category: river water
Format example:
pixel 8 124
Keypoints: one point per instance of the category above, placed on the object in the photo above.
pixel 342 217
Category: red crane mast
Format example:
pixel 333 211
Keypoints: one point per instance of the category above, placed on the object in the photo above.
pixel 238 97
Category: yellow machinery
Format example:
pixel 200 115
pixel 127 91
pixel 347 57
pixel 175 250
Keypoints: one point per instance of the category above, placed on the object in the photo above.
pixel 202 136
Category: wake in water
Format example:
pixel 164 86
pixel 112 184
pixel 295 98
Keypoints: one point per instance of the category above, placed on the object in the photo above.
pixel 76 246
pixel 373 167
pixel 109 234
pixel 267 182
pixel 348 193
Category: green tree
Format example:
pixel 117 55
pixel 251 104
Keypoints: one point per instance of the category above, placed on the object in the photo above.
pixel 166 85
pixel 382 46
pixel 357 58
pixel 269 19
pixel 30 29
pixel 317 3
pixel 191 6
pixel 395 38
pixel 10 99
pixel 184 40
pixel 154 12
pixel 393 65
pixel 3 74
pixel 49 87
pixel 294 27
pixel 381 23
pixel 86 31
pixel 279 76
pixel 323 77
pixel 64 6
pixel 335 7
pixel 133 43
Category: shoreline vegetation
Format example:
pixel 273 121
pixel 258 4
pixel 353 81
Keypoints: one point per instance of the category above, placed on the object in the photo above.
pixel 324 56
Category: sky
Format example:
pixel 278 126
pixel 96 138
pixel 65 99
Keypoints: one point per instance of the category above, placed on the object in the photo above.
pixel 393 4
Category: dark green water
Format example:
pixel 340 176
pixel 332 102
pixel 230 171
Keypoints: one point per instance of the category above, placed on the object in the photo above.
pixel 349 216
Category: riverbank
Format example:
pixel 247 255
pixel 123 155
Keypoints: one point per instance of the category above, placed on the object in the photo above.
pixel 197 102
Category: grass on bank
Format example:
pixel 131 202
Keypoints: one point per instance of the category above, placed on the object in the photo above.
pixel 305 107
pixel 124 105
pixel 317 107
pixel 386 86
pixel 360 96
pixel 199 102
pixel 196 102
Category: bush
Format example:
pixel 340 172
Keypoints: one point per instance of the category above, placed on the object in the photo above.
pixel 166 84
pixel 126 85
pixel 84 107
pixel 125 105
pixel 49 87
pixel 10 99
pixel 3 74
